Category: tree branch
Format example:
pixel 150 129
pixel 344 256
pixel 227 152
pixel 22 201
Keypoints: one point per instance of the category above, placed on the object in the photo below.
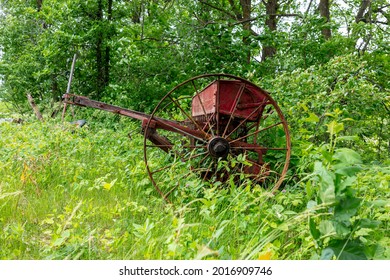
pixel 380 22
pixel 263 16
pixel 218 9
pixel 35 107
pixel 363 7
pixel 235 10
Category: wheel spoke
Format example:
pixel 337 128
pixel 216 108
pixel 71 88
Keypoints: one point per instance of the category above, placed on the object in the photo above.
pixel 171 190
pixel 217 105
pixel 207 170
pixel 188 116
pixel 188 134
pixel 246 119
pixel 201 104
pixel 165 108
pixel 203 159
pixel 169 146
pixel 258 148
pixel 163 168
pixel 175 163
pixel 198 155
pixel 236 100
pixel 249 127
pixel 257 131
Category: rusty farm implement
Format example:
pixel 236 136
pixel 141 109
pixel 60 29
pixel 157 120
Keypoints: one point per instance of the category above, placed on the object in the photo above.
pixel 216 127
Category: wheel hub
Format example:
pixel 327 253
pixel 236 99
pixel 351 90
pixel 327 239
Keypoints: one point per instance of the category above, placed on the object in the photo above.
pixel 218 147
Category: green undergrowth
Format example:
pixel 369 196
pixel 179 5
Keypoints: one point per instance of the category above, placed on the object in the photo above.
pixel 68 193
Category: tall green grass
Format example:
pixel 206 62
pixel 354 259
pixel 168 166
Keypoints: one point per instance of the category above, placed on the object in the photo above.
pixel 69 193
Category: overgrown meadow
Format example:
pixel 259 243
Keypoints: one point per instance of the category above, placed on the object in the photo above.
pixel 69 193
pixel 83 193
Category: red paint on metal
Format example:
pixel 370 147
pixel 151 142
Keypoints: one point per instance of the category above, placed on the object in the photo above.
pixel 249 100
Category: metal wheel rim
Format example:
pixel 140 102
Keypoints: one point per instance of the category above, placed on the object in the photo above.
pixel 280 115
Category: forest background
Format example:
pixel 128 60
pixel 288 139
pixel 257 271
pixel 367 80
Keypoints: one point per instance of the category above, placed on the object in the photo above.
pixel 325 62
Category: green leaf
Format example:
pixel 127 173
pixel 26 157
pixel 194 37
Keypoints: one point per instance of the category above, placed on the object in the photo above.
pixel 311 204
pixel 64 236
pixel 326 228
pixel 342 231
pixel 348 171
pixel 335 127
pixel 204 251
pixel 348 138
pixel 348 250
pixel 313 229
pixel 379 203
pixel 363 232
pixel 327 188
pixel 368 223
pixel 347 156
pixel 312 118
pixel 341 186
pixel 327 254
pixel 327 155
pixel 347 208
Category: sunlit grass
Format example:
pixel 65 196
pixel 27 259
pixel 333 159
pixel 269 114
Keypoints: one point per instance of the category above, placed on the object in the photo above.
pixel 69 193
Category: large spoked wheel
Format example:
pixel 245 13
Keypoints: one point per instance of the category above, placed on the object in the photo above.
pixel 239 133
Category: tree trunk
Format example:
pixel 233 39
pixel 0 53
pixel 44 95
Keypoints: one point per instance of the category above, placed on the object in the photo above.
pixel 362 9
pixel 325 13
pixel 107 52
pixel 99 47
pixel 35 107
pixel 246 15
pixel 271 7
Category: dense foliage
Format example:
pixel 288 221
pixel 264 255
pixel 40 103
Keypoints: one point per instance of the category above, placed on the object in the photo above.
pixel 84 193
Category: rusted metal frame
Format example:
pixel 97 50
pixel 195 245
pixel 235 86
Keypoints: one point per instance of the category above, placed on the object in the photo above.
pixel 208 123
pixel 261 165
pixel 247 118
pixel 163 143
pixel 35 107
pixel 164 109
pixel 174 127
pixel 204 134
pixel 217 103
pixel 237 99
pixel 177 185
pixel 250 105
pixel 159 122
pixel 248 146
pixel 165 196
pixel 201 103
pixel 170 165
pixel 189 147
pixel 193 121
pixel 170 191
pixel 69 84
pixel 257 123
pixel 255 132
pixel 268 113
pixel 86 102
pixel 207 169
pixel 288 146
pixel 162 169
pixel 262 176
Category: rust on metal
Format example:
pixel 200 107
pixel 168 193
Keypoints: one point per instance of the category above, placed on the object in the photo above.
pixel 208 119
